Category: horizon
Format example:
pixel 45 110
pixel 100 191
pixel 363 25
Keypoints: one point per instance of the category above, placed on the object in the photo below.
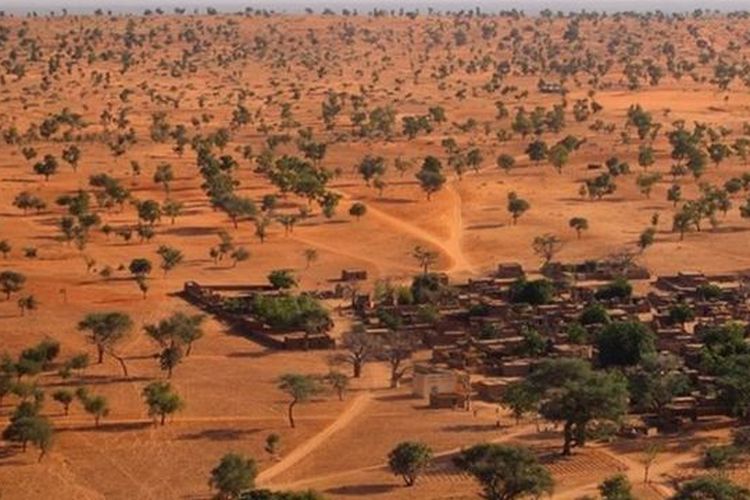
pixel 296 6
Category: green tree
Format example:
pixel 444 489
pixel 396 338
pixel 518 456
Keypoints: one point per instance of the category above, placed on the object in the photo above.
pixel 170 258
pixel 579 224
pixel 431 177
pixel 358 210
pixel 232 476
pixel 569 391
pixel 11 282
pixel 624 343
pixel 506 472
pixel 161 400
pixel 517 206
pixel 710 488
pixel 300 388
pixel 106 330
pixel 616 488
pixel 409 459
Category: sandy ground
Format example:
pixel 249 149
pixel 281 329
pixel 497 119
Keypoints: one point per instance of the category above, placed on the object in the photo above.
pixel 229 382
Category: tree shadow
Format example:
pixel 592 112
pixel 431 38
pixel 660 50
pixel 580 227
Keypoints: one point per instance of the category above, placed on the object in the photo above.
pixel 361 489
pixel 106 427
pixel 485 427
pixel 476 227
pixel 219 434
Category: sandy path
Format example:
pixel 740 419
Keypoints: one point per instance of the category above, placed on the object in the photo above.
pixel 354 409
pixel 452 246
pixel 325 478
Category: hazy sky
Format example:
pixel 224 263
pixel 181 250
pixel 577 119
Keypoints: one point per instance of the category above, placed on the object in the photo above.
pixel 364 5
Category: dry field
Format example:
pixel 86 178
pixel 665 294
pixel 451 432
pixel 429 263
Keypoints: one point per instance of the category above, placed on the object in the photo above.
pixel 209 64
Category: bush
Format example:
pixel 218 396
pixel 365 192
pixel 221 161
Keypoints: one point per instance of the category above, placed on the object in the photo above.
pixel 287 312
pixel 594 314
pixel 720 457
pixel 617 289
pixel 537 292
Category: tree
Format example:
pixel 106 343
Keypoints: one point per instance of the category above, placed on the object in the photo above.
pixel 396 350
pixel 431 177
pixel 624 343
pixel 64 397
pixel 233 475
pixel 97 406
pixel 46 167
pixel 710 488
pixel 300 388
pixel 140 268
pixel 546 247
pixel 11 282
pixel 175 335
pixel 360 347
pixel 506 472
pixel 5 248
pixel 371 167
pixel 338 382
pixel 674 194
pixel 646 157
pixel 164 175
pixel 646 182
pixel 282 279
pixel 519 400
pixel 506 162
pixel 537 151
pixel 72 155
pixel 358 210
pixel 106 330
pixel 647 238
pixel 409 459
pixel 558 156
pixel 170 258
pixel 238 208
pixel 425 258
pixel 27 426
pixel 149 211
pixel 311 255
pixel 172 209
pixel 517 206
pixel 161 400
pixel 569 391
pixel 579 224
pixel 616 487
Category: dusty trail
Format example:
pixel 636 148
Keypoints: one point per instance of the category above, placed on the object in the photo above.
pixel 352 411
pixel 309 481
pixel 452 246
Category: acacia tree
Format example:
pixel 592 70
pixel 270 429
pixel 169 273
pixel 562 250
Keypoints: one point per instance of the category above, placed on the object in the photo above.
pixel 170 258
pixel 570 391
pixel 233 475
pixel 360 348
pixel 517 206
pixel 300 388
pixel 579 224
pixel 161 400
pixel 11 282
pixel 106 330
pixel 431 177
pixel 175 335
pixel 506 472
pixel 546 247
pixel 409 459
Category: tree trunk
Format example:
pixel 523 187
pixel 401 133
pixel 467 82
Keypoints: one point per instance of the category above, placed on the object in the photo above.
pixel 568 437
pixel 123 366
pixel 163 418
pixel 291 413
pixel 100 352
pixel 357 366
